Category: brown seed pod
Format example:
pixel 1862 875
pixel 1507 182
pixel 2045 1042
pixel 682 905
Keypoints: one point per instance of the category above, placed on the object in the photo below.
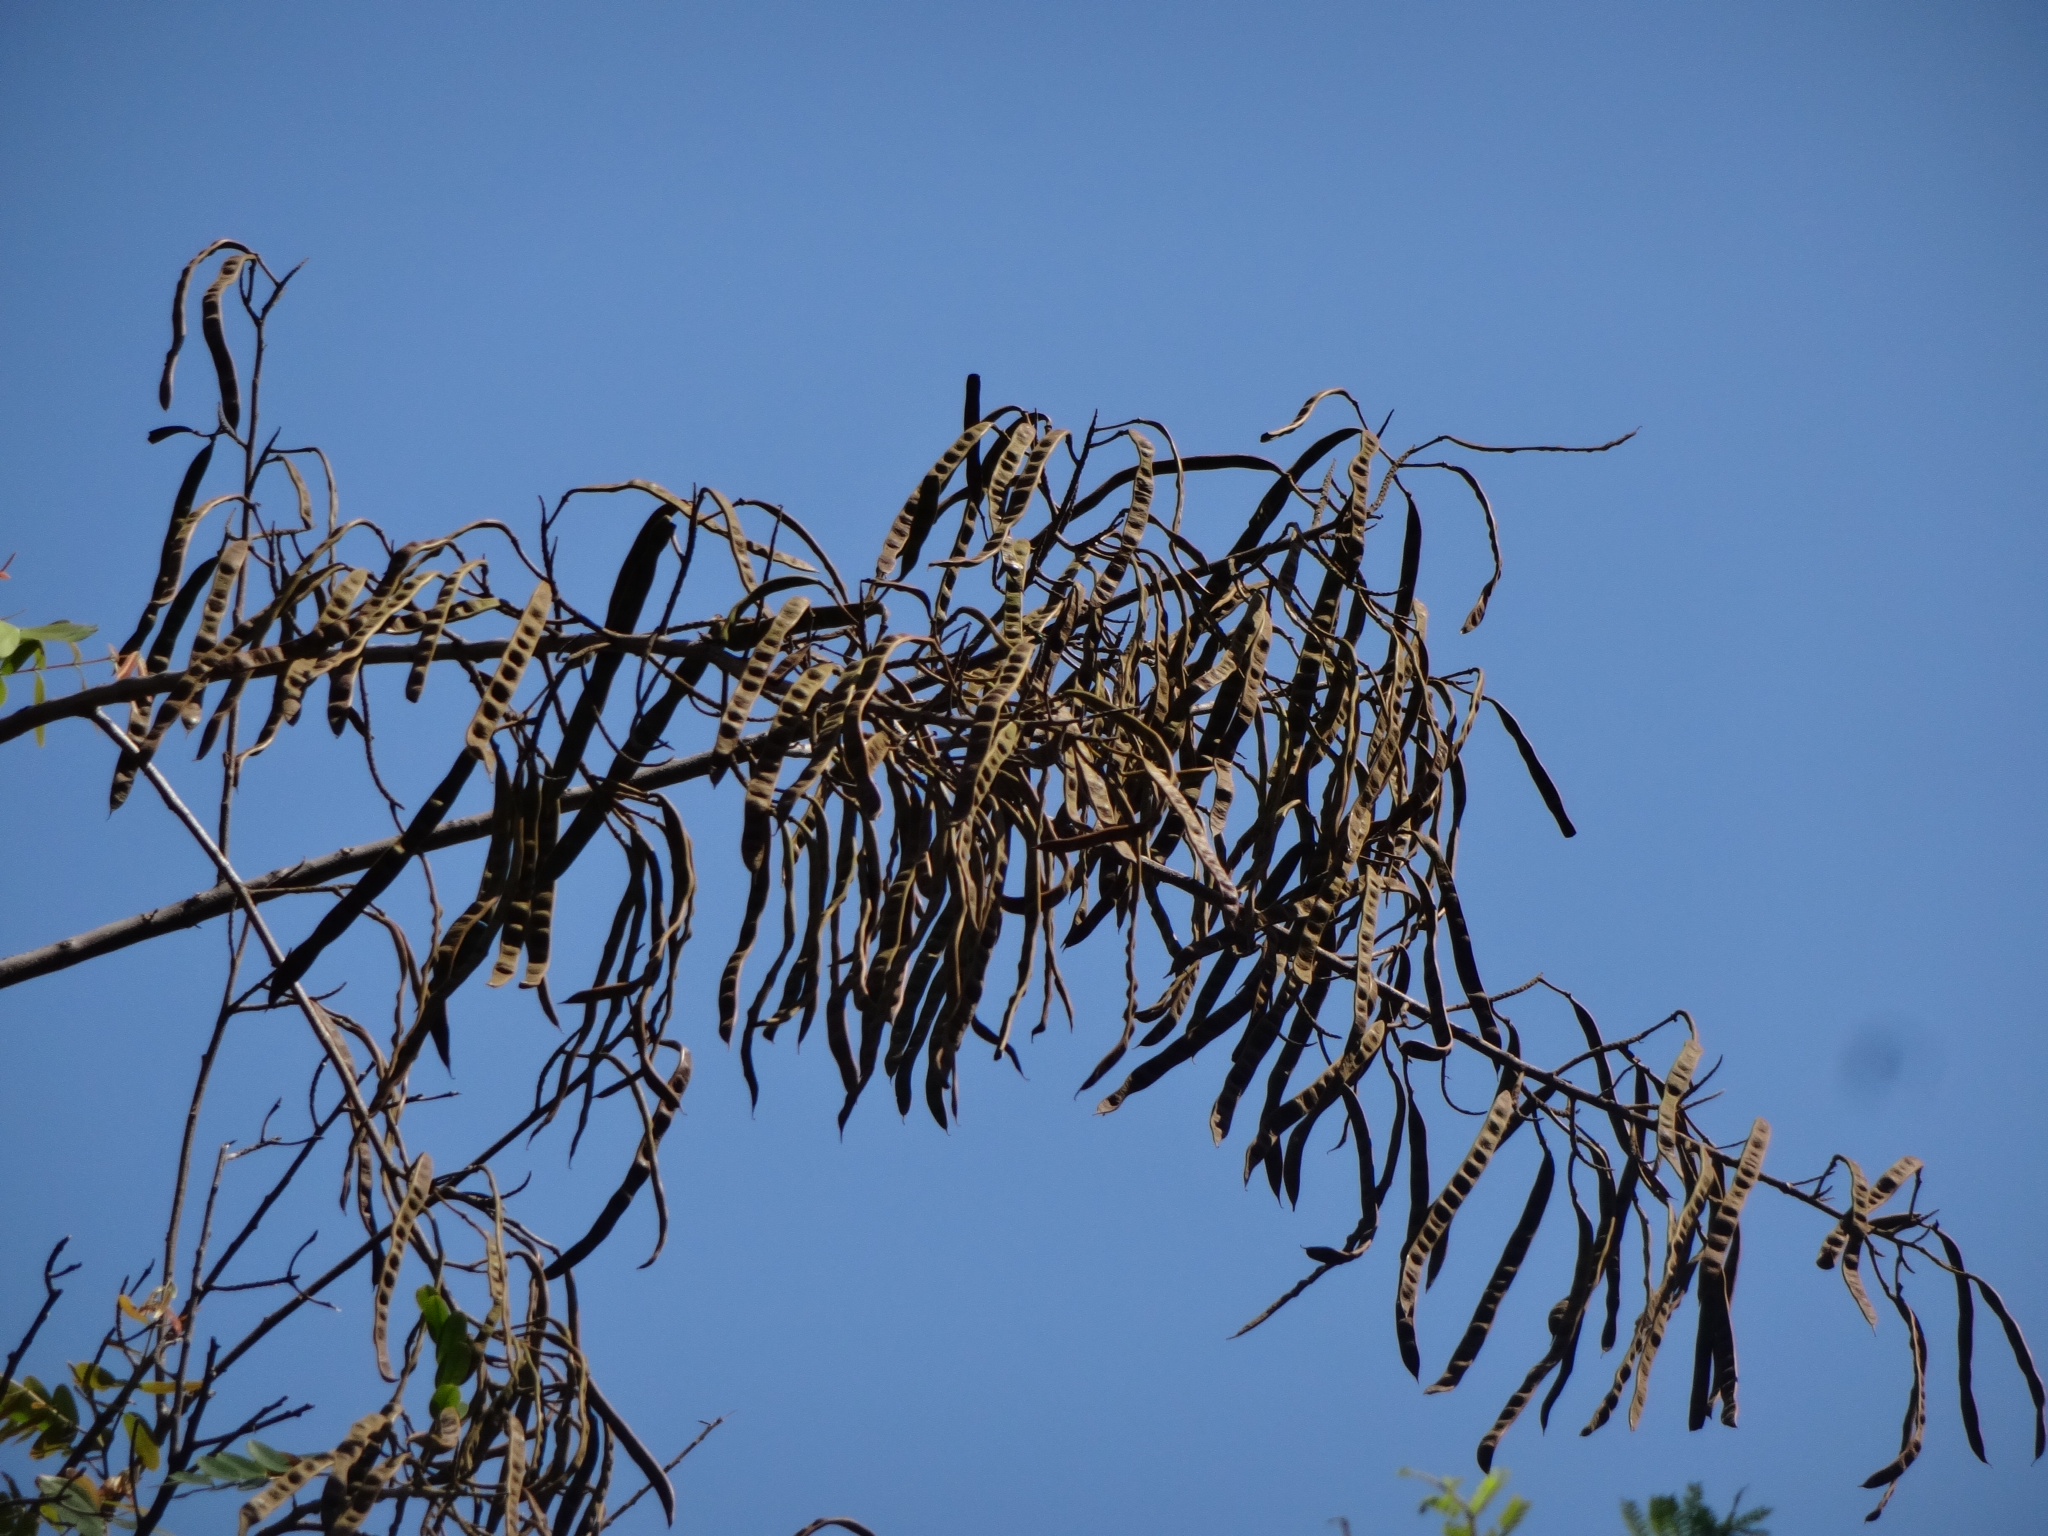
pixel 497 700
pixel 419 1189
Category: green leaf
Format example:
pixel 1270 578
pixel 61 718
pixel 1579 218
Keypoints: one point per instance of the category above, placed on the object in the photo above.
pixel 10 637
pixel 271 1459
pixel 224 1469
pixel 445 1397
pixel 61 632
pixel 64 1405
pixel 143 1441
pixel 68 1503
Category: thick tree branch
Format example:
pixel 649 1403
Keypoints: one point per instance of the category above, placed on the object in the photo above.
pixel 293 879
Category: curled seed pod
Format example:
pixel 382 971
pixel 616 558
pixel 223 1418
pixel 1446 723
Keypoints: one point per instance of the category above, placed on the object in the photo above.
pixel 1846 1241
pixel 1852 1276
pixel 1308 408
pixel 630 589
pixel 642 1169
pixel 419 1188
pixel 1714 1370
pixel 299 490
pixel 163 389
pixel 215 331
pixel 497 700
pixel 1912 1432
pixel 728 523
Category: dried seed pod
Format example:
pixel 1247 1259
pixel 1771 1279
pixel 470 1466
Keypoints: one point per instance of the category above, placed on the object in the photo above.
pixel 419 1189
pixel 497 700
pixel 432 629
pixel 1504 1272
pixel 281 1490
pixel 363 1495
pixel 1677 1083
pixel 923 505
pixel 214 329
pixel 755 678
pixel 1436 1222
pixel 1136 519
pixel 515 1472
pixel 342 1460
pixel 177 537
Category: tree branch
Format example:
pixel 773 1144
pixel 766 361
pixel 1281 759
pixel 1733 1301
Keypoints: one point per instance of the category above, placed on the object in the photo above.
pixel 293 879
pixel 737 637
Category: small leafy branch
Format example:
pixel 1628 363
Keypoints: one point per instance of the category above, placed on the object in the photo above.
pixel 1691 1515
pixel 30 648
pixel 1461 1512
pixel 1048 718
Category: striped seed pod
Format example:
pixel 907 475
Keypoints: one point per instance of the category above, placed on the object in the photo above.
pixel 497 700
pixel 419 1188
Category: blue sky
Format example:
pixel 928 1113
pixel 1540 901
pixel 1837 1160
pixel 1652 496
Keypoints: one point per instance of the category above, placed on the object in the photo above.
pixel 1783 652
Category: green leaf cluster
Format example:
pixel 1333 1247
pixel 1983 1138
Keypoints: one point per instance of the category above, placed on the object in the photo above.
pixel 28 647
pixel 1690 1516
pixel 73 1504
pixel 46 1418
pixel 224 1469
pixel 1461 1513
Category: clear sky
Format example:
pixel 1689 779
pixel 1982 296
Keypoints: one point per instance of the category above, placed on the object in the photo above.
pixel 1783 652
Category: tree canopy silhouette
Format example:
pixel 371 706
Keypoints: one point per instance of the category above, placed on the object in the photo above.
pixel 1045 717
